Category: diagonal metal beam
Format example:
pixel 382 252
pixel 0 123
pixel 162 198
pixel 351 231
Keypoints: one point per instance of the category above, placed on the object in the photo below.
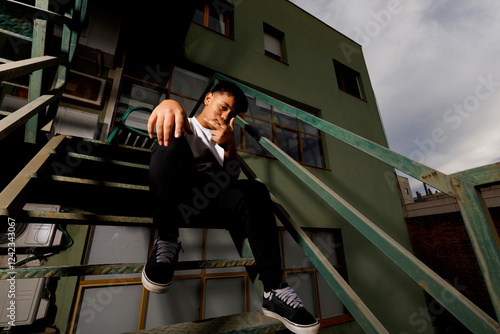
pixel 462 308
pixel 366 319
pixel 23 114
pixel 16 188
pixel 24 67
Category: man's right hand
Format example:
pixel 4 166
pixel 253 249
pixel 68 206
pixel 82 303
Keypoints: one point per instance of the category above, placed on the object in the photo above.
pixel 165 115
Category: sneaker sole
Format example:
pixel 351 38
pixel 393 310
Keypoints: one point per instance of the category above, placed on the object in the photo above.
pixel 296 328
pixel 153 286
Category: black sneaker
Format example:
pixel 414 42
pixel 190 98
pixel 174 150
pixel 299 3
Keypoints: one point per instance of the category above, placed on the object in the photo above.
pixel 158 271
pixel 284 305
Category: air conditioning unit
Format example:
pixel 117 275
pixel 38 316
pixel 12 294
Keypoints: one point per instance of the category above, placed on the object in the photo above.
pixel 29 304
pixel 34 235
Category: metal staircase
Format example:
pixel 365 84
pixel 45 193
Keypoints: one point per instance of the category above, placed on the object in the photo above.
pixel 82 175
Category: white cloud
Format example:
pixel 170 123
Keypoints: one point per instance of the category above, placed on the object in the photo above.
pixel 426 60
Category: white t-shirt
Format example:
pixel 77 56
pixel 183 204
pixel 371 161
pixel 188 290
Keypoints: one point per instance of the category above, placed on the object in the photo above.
pixel 206 151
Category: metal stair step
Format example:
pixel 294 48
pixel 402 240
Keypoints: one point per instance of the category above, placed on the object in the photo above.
pixel 121 268
pixel 249 322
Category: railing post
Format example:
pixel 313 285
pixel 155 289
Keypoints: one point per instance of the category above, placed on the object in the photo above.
pixel 483 236
pixel 35 86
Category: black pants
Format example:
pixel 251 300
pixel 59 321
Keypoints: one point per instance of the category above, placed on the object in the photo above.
pixel 183 197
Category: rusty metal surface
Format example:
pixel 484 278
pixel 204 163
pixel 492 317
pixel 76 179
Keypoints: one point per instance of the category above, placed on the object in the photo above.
pixel 250 322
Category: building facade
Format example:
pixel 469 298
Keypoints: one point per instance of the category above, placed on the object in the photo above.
pixel 280 50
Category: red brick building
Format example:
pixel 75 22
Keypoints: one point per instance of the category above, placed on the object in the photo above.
pixel 439 239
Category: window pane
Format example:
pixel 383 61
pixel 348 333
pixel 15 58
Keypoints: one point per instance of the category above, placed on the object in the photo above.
pixel 165 309
pixel 294 256
pixel 110 309
pixel 118 244
pixel 220 245
pixel 326 243
pixel 313 153
pixel 304 284
pixel 308 128
pixel 288 141
pixel 272 44
pixel 216 20
pixel 224 296
pixel 331 305
pixel 258 108
pixel 187 83
pixel 265 129
pixel 280 117
pixel 192 240
pixel 199 14
pixel 187 104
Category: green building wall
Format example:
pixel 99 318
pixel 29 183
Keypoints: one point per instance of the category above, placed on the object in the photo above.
pixel 308 78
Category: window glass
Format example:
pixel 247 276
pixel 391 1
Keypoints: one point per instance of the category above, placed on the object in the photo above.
pixel 288 141
pixel 265 129
pixel 165 309
pixel 285 119
pixel 308 128
pixel 216 19
pixel 216 15
pixel 187 83
pixel 272 44
pixel 199 14
pixel 259 109
pixel 224 296
pixel 331 305
pixel 312 150
pixel 220 245
pixel 118 244
pixel 326 243
pixel 294 256
pixel 192 241
pixel 109 309
pixel 348 80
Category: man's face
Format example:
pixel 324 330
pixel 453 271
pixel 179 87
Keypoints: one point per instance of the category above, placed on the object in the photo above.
pixel 219 104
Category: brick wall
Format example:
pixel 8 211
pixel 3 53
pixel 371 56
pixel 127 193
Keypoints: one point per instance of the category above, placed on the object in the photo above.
pixel 442 243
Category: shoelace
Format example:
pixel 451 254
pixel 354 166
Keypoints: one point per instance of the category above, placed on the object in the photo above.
pixel 166 250
pixel 289 297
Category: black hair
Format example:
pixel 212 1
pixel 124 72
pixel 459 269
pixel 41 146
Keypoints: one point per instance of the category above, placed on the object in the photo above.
pixel 231 89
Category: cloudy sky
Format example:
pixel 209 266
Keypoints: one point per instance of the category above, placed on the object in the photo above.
pixel 435 70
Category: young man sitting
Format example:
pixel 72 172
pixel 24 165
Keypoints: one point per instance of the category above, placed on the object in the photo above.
pixel 193 177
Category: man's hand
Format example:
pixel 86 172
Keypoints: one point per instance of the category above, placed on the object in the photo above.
pixel 165 115
pixel 222 133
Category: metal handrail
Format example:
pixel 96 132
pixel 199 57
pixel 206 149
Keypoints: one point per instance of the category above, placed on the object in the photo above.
pixel 460 185
pixel 38 61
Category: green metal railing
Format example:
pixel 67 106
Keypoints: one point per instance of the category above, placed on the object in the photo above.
pixel 463 186
pixel 34 66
